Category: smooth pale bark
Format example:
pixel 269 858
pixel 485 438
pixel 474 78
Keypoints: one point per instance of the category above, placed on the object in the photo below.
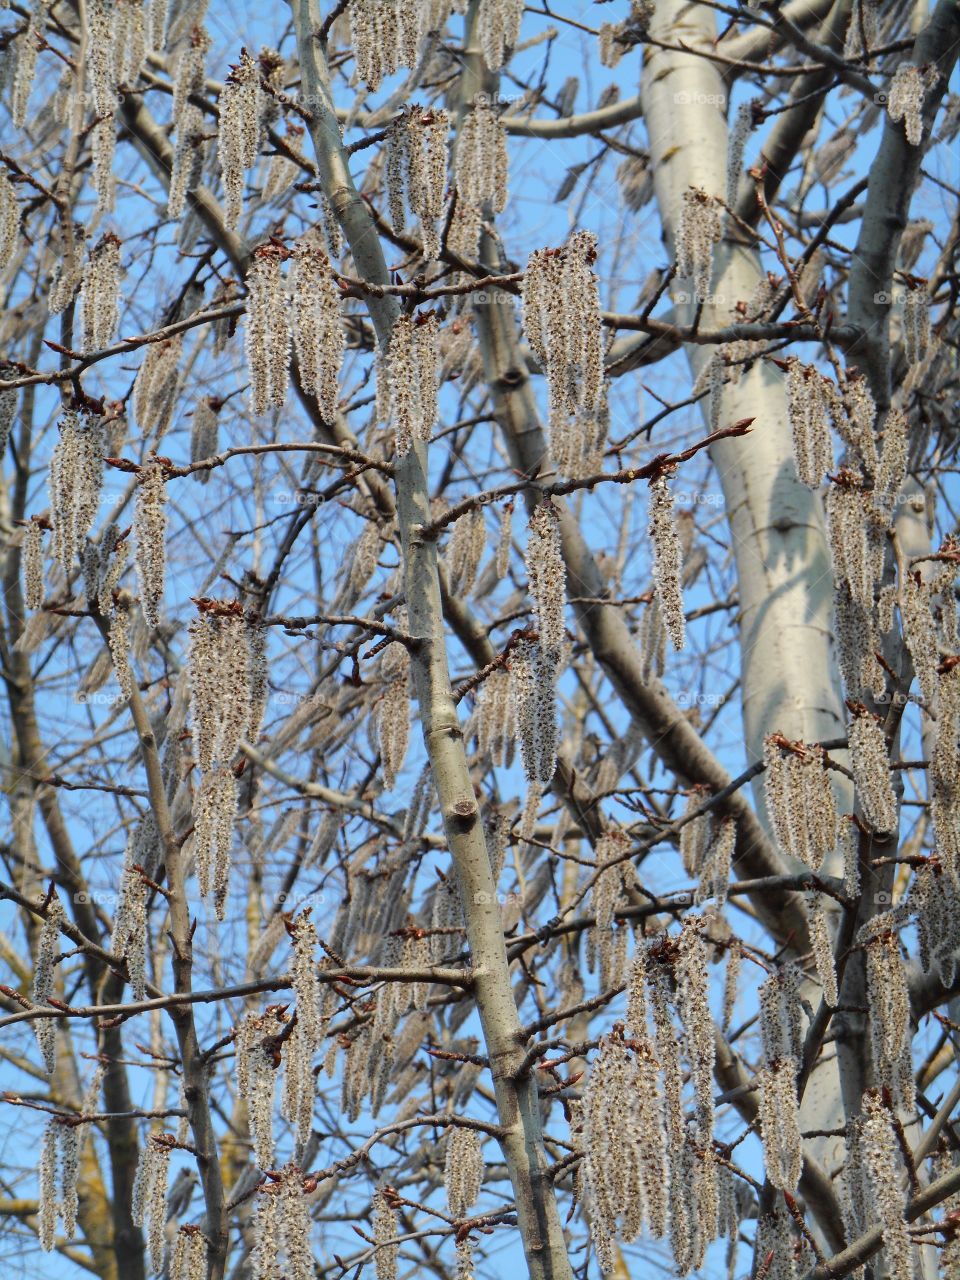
pixel 789 679
pixel 518 1108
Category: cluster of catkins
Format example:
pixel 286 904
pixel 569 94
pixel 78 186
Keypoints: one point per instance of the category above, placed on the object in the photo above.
pixel 800 799
pixel 860 504
pixel 228 689
pixel 386 35
pixel 873 1178
pixel 241 121
pixel 480 171
pixel 809 422
pixel 149 1201
pixel 707 842
pixel 308 311
pixel 561 318
pixel 282 1228
pixel 59 1174
pixel 781 1027
pixel 888 1000
pixel 605 942
pixel 100 296
pixel 408 379
pixel 644 1163
pixel 75 480
pixel 416 166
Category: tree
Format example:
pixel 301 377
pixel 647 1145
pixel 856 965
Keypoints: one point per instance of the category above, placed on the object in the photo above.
pixel 456 818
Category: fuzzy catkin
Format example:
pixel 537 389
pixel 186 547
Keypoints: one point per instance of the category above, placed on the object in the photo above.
pixel 504 542
pixel 130 929
pixel 318 335
pixel 214 813
pixel 150 525
pixel 800 800
pixel 736 143
pixel 100 294
pixel 393 717
pixel 386 1227
pixel 916 323
pixel 693 1005
pixel 239 134
pixel 780 1123
pixel 156 385
pixel 33 565
pixel 807 413
pixel 411 368
pixel 480 169
pixel 494 717
pixel 189 154
pixel 189 1261
pixel 871 771
pixel 533 680
pixel 9 219
pixel 561 317
pixel 821 947
pixel 267 330
pixel 547 575
pixel 878 1144
pixel 463 1169
pixel 43 975
pixel 667 560
pixel 699 229
pixel 465 550
pixel 75 480
pixel 498 29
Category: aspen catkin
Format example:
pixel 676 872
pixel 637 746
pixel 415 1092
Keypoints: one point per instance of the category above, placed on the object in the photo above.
pixel 667 560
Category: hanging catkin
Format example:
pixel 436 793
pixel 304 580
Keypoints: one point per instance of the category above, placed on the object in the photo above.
pixel 463 1169
pixel 239 135
pixel 412 379
pixel 807 412
pixel 267 330
pixel 533 679
pixel 76 476
pixel 547 575
pixel 800 799
pixel 9 219
pixel 464 551
pixel 417 165
pixel 561 317
pixel 33 565
pixel 699 229
pixel 871 769
pixel 393 712
pixel 667 560
pixel 48 945
pixel 101 293
pixel 149 525
pixel 498 29
pixel 879 1144
pixel 318 335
